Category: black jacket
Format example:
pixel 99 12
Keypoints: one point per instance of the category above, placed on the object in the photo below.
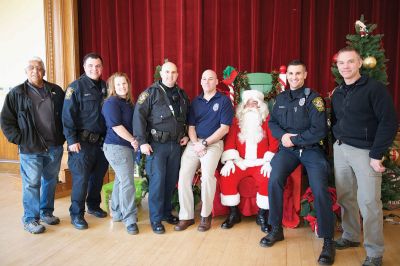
pixel 18 123
pixel 364 117
pixel 152 111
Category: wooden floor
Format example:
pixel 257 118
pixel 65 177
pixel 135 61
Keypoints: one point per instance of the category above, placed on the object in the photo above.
pixel 107 243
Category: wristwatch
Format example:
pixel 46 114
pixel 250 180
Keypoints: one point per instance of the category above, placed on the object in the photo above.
pixel 204 142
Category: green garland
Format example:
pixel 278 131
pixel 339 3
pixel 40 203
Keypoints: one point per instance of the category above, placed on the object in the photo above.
pixel 275 86
pixel 240 83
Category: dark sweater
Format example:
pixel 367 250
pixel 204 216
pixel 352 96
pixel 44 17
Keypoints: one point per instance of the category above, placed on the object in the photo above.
pixel 363 116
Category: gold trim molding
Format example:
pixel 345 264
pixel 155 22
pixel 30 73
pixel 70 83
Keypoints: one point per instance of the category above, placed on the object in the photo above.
pixel 62 42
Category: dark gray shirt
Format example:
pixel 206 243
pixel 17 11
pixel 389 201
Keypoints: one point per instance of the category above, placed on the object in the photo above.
pixel 42 107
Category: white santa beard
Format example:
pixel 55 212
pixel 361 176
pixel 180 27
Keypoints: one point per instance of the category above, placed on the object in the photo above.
pixel 250 126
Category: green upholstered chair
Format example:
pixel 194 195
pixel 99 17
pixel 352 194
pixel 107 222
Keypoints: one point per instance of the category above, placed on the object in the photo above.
pixel 261 82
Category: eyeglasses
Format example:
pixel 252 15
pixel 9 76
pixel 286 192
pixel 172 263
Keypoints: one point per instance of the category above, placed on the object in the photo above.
pixel 31 68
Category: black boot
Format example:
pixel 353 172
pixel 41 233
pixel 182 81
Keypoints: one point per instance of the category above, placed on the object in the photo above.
pixel 262 220
pixel 232 219
pixel 275 235
pixel 328 252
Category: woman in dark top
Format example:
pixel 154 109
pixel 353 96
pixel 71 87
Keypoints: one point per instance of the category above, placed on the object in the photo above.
pixel 119 149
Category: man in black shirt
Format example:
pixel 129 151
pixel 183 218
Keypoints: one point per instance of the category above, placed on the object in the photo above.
pixel 364 125
pixel 31 118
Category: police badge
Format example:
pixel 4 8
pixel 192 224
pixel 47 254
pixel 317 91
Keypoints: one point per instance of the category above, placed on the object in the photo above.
pixel 142 97
pixel 302 101
pixel 319 104
pixel 216 107
pixel 68 93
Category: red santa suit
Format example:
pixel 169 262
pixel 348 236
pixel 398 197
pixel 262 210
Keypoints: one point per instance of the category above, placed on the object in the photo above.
pixel 251 156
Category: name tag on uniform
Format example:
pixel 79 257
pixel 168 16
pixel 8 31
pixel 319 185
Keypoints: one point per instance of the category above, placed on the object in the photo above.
pixel 281 106
pixel 87 94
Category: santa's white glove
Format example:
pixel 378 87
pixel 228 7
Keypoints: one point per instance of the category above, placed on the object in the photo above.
pixel 228 168
pixel 266 169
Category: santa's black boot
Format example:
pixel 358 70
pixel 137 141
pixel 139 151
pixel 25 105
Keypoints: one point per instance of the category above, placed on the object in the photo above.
pixel 232 219
pixel 262 220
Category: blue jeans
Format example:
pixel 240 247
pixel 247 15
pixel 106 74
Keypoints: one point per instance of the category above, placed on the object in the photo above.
pixel 88 168
pixel 162 168
pixel 39 173
pixel 122 160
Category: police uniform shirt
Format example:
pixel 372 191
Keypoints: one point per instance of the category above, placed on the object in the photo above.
pixel 207 116
pixel 82 108
pixel 295 112
pixel 173 96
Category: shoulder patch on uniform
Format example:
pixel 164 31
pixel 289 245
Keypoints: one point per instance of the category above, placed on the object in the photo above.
pixel 142 97
pixel 319 104
pixel 68 93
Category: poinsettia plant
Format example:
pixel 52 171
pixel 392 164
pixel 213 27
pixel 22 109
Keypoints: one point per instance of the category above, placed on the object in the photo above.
pixel 308 210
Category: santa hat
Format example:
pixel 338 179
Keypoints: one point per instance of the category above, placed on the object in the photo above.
pixel 254 95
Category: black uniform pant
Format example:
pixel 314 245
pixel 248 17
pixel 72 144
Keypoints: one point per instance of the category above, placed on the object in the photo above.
pixel 162 168
pixel 88 168
pixel 317 167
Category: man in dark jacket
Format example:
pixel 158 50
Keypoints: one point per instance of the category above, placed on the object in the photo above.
pixel 364 125
pixel 159 124
pixel 84 129
pixel 31 118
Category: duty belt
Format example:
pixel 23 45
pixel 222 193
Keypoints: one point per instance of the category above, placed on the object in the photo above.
pixel 164 136
pixel 90 137
pixel 302 147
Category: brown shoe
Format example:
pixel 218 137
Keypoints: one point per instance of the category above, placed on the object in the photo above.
pixel 205 224
pixel 183 224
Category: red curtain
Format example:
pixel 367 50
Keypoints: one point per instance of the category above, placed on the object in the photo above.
pixel 253 35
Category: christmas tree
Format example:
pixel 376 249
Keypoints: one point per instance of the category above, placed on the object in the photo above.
pixel 390 192
pixel 370 48
pixel 374 65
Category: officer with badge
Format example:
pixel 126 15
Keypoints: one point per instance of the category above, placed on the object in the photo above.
pixel 298 120
pixel 159 125
pixel 84 129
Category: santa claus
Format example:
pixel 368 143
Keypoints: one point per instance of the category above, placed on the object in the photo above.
pixel 249 148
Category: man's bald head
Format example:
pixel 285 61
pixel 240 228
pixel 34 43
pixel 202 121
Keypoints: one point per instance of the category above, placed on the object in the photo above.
pixel 209 81
pixel 169 74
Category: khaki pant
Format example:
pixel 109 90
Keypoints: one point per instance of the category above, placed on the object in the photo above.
pixel 190 162
pixel 358 187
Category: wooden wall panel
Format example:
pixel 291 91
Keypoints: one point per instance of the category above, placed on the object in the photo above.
pixel 8 151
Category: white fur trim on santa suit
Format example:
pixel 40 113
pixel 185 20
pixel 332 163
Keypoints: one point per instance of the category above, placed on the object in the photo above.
pixel 230 200
pixel 251 150
pixel 252 94
pixel 268 156
pixel 229 155
pixel 252 163
pixel 262 202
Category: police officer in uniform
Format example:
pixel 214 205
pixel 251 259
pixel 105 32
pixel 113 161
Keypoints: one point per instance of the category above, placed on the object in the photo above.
pixel 298 120
pixel 159 124
pixel 84 129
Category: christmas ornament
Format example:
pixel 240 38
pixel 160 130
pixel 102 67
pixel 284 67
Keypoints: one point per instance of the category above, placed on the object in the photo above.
pixel 334 58
pixel 361 28
pixel 369 62
pixel 394 155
